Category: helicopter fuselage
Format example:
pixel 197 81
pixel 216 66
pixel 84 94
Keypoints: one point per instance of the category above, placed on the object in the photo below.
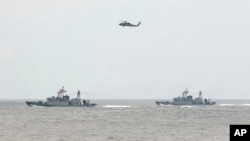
pixel 129 24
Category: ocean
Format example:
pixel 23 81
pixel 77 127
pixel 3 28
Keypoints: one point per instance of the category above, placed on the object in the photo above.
pixel 121 120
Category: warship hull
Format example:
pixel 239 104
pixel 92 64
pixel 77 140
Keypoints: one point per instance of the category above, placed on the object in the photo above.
pixel 33 103
pixel 164 103
pixel 58 104
pixel 62 100
pixel 187 100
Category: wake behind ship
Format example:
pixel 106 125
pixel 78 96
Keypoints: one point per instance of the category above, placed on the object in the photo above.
pixel 62 100
pixel 187 100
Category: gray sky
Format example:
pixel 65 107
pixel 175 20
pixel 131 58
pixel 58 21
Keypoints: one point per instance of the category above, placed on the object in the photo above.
pixel 200 45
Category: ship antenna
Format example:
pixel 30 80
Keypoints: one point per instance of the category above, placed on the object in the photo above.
pixel 78 94
pixel 200 94
pixel 61 92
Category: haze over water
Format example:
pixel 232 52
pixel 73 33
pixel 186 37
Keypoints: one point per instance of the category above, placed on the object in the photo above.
pixel 199 45
pixel 122 120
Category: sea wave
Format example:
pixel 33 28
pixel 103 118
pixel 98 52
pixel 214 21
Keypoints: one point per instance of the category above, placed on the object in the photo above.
pixel 227 104
pixel 169 105
pixel 116 106
pixel 36 106
pixel 246 104
pixel 187 106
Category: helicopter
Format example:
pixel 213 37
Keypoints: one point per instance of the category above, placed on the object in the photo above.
pixel 125 23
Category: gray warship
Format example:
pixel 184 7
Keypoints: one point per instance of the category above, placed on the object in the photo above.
pixel 62 100
pixel 187 100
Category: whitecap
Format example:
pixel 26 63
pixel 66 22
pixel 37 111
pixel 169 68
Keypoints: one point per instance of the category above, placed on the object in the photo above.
pixel 187 106
pixel 169 105
pixel 227 104
pixel 246 104
pixel 36 106
pixel 116 106
pixel 235 104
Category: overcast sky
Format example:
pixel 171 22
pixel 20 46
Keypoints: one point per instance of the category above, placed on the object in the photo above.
pixel 199 45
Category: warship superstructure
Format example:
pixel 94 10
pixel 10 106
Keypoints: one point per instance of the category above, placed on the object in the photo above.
pixel 187 100
pixel 62 100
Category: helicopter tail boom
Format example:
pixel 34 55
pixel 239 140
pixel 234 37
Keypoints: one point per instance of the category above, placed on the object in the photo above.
pixel 138 24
